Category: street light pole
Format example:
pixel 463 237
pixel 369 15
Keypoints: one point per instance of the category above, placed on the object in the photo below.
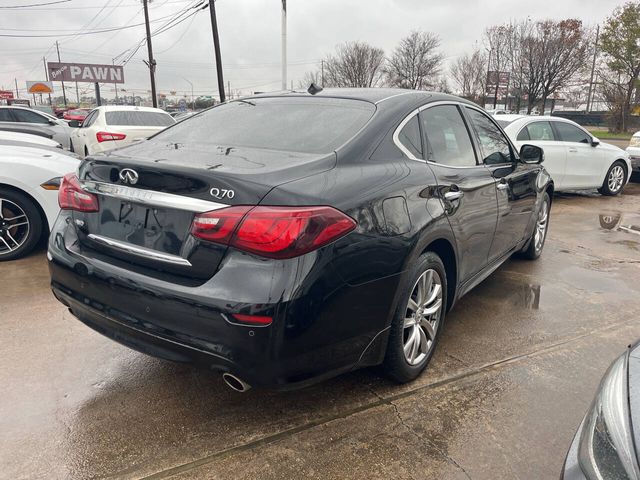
pixel 284 44
pixel 193 104
pixel 64 94
pixel 152 63
pixel 216 47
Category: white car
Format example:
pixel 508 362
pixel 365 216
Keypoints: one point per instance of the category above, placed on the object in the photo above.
pixel 109 127
pixel 634 152
pixel 574 158
pixel 8 137
pixel 29 181
pixel 22 119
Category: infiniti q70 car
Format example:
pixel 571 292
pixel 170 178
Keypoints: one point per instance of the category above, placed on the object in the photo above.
pixel 285 238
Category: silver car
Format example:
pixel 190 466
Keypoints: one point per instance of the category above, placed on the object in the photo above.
pixel 25 120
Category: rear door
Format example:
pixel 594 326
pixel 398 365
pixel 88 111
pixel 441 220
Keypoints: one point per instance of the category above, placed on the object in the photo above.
pixel 466 187
pixel 543 135
pixel 515 183
pixel 584 162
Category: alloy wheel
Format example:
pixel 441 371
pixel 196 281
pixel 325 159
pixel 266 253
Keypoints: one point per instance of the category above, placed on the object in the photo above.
pixel 616 179
pixel 541 226
pixel 14 226
pixel 422 318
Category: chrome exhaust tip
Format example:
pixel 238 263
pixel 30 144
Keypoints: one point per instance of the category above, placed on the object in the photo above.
pixel 234 383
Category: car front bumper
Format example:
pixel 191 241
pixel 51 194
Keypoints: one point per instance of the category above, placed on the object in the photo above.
pixel 321 326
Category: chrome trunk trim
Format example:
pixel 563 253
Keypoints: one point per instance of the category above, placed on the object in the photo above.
pixel 139 251
pixel 151 197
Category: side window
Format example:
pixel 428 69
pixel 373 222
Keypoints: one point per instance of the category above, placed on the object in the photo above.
pixel 409 136
pixel 524 135
pixel 495 146
pixel 88 121
pixel 27 116
pixel 5 115
pixel 569 133
pixel 448 140
pixel 541 131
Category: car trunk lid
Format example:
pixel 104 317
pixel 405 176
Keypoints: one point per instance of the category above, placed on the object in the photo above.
pixel 148 195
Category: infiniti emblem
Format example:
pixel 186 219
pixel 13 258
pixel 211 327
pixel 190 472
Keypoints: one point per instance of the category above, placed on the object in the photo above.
pixel 127 175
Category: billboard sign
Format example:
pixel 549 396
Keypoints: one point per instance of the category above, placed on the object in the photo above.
pixel 85 72
pixel 39 87
pixel 6 94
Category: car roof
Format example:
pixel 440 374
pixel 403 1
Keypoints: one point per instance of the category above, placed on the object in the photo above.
pixel 372 95
pixel 120 108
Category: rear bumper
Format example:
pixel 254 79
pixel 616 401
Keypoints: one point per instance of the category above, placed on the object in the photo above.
pixel 321 326
pixel 634 156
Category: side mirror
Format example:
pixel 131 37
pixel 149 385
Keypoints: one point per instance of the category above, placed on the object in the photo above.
pixel 594 142
pixel 74 123
pixel 531 154
pixel 52 122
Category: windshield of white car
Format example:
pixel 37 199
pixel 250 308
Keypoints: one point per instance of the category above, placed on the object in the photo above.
pixel 138 118
pixel 305 125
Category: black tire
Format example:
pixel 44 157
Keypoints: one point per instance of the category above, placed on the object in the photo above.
pixel 25 237
pixel 86 151
pixel 534 249
pixel 396 364
pixel 71 146
pixel 609 187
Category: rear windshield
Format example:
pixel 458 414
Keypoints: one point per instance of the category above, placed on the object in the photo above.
pixel 143 119
pixel 306 125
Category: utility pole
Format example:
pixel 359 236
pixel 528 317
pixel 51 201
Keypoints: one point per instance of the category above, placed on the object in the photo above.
pixel 322 73
pixel 64 94
pixel 216 47
pixel 113 62
pixel 593 69
pixel 77 94
pixel 284 44
pixel 46 77
pixel 229 89
pixel 151 63
pixel 17 94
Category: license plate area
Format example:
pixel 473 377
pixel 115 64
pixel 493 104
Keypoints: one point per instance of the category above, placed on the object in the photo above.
pixel 160 229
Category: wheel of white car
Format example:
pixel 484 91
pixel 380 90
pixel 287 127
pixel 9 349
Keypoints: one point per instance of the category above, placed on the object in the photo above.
pixel 615 179
pixel 20 224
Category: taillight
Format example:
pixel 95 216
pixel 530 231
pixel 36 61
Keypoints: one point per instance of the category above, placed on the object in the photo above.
pixel 275 232
pixel 107 136
pixel 71 196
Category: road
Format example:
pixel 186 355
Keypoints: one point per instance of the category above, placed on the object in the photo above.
pixel 515 370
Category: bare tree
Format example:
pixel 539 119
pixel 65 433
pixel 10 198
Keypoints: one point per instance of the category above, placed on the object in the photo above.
pixel 621 45
pixel 469 75
pixel 496 41
pixel 416 62
pixel 564 48
pixel 308 79
pixel 355 64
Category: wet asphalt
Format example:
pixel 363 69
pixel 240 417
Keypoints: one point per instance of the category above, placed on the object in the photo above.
pixel 515 370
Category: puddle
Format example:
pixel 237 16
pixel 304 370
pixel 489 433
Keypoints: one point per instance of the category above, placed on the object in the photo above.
pixel 621 222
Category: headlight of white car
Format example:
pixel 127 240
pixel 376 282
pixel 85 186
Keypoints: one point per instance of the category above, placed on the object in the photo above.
pixel 606 445
pixel 635 141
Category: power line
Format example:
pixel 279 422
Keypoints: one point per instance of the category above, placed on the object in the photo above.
pixel 36 4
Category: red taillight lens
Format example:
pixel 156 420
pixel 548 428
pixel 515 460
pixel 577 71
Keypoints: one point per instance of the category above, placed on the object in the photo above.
pixel 258 320
pixel 275 232
pixel 219 225
pixel 71 196
pixel 107 137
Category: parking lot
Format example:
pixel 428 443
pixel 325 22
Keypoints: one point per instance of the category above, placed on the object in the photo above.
pixel 515 370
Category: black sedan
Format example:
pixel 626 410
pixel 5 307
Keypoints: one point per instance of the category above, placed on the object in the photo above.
pixel 286 238
pixel 605 446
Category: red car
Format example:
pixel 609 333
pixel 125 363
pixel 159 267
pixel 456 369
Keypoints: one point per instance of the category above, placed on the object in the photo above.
pixel 78 114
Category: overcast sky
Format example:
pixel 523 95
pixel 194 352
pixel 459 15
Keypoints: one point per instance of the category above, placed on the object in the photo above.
pixel 249 35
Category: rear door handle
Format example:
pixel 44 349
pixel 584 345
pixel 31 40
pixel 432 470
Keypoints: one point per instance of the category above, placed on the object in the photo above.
pixel 573 150
pixel 454 195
